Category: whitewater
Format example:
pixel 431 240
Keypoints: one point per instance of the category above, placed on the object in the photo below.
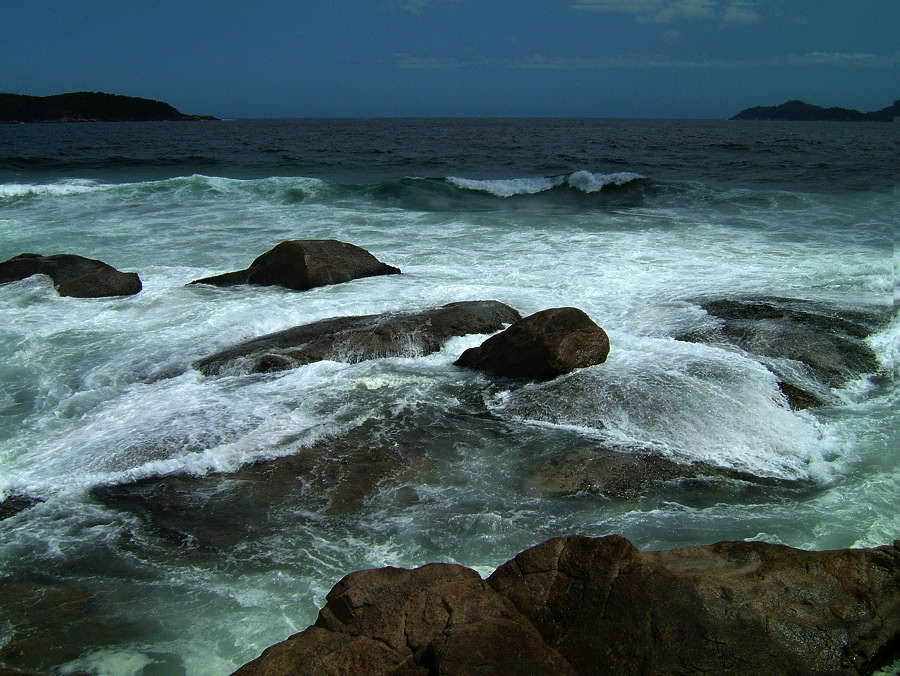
pixel 637 223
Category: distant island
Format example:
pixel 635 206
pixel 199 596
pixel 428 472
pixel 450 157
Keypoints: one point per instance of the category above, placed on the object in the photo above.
pixel 798 110
pixel 88 107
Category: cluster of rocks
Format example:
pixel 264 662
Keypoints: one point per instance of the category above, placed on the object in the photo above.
pixel 294 264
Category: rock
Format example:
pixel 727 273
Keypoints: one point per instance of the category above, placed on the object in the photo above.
pixel 355 339
pixel 218 512
pixel 437 619
pixel 72 275
pixel 542 346
pixel 353 473
pixel 828 342
pixel 587 606
pixel 302 264
pixel 48 622
pixel 728 608
pixel 617 475
pixel 14 504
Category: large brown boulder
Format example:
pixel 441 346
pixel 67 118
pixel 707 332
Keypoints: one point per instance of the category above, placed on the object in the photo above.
pixel 356 339
pixel 543 346
pixel 437 619
pixel 302 264
pixel 588 606
pixel 728 608
pixel 72 275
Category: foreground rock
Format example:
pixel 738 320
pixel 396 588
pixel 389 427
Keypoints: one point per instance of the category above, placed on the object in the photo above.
pixel 827 343
pixel 302 264
pixel 72 275
pixel 438 619
pixel 355 339
pixel 543 346
pixel 589 606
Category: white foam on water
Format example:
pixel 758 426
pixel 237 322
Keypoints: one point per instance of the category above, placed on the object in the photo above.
pixel 508 187
pixel 66 187
pixel 690 402
pixel 585 181
pixel 589 182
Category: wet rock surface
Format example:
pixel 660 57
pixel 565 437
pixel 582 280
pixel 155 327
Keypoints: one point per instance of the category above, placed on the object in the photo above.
pixel 355 339
pixel 222 511
pixel 828 343
pixel 587 606
pixel 15 504
pixel 542 346
pixel 72 275
pixel 49 622
pixel 439 618
pixel 302 264
pixel 612 474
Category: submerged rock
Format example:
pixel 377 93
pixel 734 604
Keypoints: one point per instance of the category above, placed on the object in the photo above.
pixel 543 346
pixel 48 621
pixel 586 606
pixel 614 474
pixel 302 264
pixel 14 504
pixel 355 339
pixel 72 275
pixel 829 343
pixel 221 511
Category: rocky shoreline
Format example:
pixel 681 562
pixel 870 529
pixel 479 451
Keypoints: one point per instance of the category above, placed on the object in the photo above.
pixel 571 605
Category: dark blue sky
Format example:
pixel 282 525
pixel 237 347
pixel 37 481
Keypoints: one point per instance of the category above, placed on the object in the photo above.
pixel 583 58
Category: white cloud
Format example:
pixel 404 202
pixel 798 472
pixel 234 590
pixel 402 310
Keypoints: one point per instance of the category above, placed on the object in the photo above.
pixel 669 11
pixel 741 13
pixel 641 61
pixel 415 6
pixel 630 6
pixel 855 60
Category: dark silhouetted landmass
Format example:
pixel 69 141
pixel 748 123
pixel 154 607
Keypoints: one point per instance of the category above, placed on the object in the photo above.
pixel 798 110
pixel 87 107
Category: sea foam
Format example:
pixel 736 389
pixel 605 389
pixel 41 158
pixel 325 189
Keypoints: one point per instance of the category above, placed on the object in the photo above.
pixel 584 181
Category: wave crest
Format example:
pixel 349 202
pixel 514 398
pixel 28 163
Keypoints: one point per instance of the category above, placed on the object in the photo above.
pixel 584 181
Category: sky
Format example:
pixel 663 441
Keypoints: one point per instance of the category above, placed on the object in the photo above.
pixel 452 58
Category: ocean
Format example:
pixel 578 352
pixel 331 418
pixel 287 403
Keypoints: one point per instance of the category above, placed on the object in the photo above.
pixel 146 552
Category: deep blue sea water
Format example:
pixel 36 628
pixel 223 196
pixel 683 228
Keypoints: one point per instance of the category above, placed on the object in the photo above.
pixel 631 220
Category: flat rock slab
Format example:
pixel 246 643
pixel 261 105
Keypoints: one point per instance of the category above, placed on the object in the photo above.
pixel 72 275
pixel 623 476
pixel 218 512
pixel 829 342
pixel 542 346
pixel 302 264
pixel 589 606
pixel 360 338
